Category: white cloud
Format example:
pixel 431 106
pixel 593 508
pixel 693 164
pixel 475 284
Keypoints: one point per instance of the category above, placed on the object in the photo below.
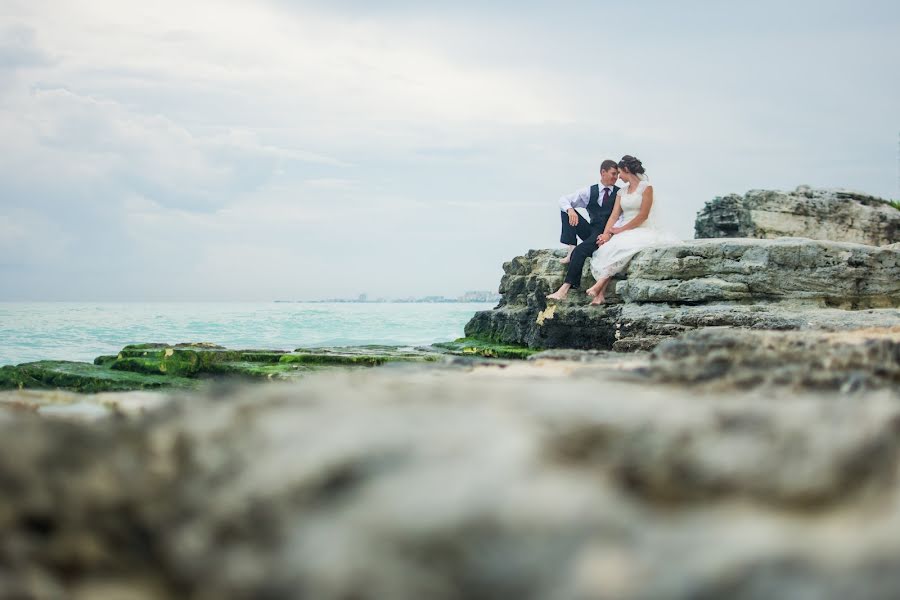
pixel 29 239
pixel 213 142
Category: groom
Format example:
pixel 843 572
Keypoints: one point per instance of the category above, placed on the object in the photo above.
pixel 599 201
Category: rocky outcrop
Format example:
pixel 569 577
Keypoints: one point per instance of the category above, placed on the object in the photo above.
pixel 762 284
pixel 836 215
pixel 480 481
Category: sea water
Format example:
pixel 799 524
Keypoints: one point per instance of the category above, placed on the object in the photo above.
pixel 82 331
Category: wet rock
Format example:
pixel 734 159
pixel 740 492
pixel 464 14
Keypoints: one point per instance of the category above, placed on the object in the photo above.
pixel 837 215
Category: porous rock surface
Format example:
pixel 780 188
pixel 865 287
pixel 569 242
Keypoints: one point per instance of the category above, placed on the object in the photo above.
pixel 728 358
pixel 486 481
pixel 788 283
pixel 837 215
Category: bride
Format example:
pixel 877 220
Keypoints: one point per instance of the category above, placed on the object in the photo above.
pixel 619 244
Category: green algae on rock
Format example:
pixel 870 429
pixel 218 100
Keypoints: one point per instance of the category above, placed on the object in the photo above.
pixel 477 347
pixel 84 377
pixel 152 366
pixel 105 360
pixel 181 359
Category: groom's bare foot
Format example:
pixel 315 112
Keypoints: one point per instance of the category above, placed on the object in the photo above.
pixel 568 257
pixel 561 293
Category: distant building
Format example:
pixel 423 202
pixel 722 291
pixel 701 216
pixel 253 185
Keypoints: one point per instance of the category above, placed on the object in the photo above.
pixel 479 296
pixel 363 298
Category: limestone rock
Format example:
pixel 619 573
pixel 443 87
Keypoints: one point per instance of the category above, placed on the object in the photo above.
pixel 643 326
pixel 787 283
pixel 837 215
pixel 803 271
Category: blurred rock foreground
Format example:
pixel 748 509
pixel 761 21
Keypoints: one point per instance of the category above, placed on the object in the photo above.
pixel 753 453
pixel 719 466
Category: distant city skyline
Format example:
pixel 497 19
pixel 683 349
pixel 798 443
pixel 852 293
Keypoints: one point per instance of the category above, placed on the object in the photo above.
pixel 471 296
pixel 237 150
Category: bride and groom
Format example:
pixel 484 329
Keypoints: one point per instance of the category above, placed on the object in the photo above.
pixel 620 226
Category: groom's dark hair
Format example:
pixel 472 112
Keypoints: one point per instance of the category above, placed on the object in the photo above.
pixel 607 164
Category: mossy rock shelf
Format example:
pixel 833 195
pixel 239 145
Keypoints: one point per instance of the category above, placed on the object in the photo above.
pixel 85 377
pixel 187 366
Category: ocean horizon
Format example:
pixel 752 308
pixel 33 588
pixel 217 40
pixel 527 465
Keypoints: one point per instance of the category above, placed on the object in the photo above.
pixel 81 331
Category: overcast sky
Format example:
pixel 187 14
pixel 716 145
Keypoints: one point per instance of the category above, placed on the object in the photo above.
pixel 269 149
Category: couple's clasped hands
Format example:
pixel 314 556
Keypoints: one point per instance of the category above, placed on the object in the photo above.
pixel 606 236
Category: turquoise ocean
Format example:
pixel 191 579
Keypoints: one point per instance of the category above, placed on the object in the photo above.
pixel 31 331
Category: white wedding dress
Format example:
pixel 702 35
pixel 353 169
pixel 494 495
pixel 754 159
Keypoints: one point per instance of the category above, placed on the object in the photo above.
pixel 614 255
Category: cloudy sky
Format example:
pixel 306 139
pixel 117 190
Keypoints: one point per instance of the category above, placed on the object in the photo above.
pixel 270 149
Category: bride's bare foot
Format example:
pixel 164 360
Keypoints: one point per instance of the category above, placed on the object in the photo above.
pixel 598 298
pixel 590 292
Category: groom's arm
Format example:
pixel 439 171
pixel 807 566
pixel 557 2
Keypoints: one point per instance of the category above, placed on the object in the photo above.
pixel 570 202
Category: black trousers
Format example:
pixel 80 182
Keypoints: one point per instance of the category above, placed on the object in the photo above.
pixel 588 233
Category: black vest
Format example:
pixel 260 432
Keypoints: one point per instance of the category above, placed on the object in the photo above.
pixel 600 214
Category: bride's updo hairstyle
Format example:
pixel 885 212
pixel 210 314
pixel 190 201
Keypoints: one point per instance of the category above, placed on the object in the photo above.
pixel 632 164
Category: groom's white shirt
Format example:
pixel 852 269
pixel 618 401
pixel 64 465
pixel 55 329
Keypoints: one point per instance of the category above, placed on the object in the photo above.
pixel 581 198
